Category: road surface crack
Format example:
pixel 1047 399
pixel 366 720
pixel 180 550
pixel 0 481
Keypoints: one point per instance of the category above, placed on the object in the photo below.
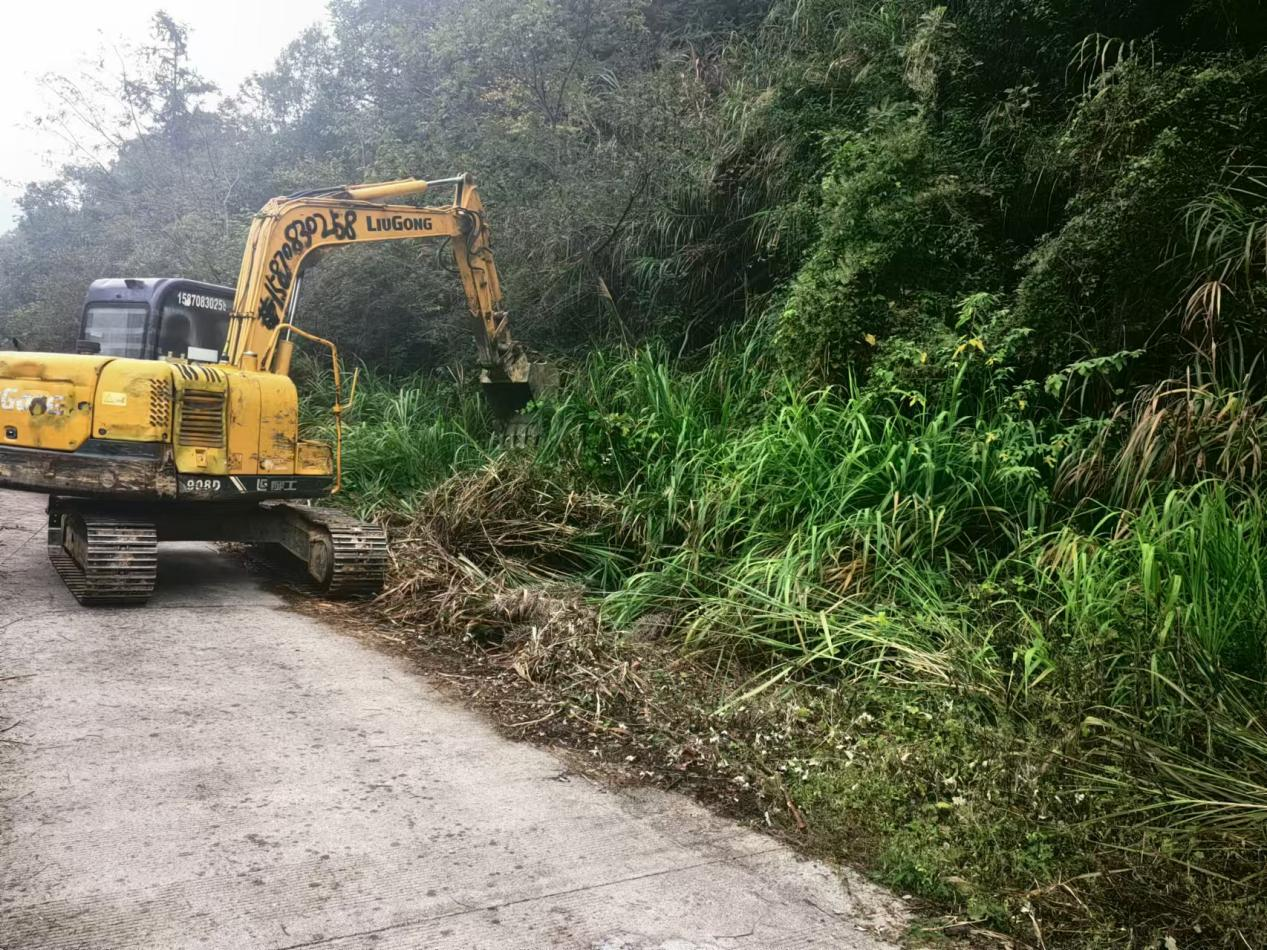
pixel 522 900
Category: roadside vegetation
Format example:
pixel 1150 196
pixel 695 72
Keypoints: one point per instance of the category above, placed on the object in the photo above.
pixel 1019 683
pixel 905 488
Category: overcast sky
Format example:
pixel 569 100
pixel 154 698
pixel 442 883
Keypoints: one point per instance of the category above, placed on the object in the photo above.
pixel 229 40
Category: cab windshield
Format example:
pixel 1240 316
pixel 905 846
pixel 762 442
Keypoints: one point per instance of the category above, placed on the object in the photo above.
pixel 120 330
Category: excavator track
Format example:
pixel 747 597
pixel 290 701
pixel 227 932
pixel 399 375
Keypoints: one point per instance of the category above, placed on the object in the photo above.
pixel 105 560
pixel 346 557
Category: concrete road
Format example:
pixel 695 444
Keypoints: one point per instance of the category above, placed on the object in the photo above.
pixel 217 771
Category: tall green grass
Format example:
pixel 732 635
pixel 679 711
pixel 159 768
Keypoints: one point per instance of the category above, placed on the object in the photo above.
pixel 918 543
pixel 400 436
pixel 802 521
pixel 913 545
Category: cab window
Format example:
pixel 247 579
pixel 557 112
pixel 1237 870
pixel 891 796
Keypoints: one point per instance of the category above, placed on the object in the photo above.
pixel 192 332
pixel 120 330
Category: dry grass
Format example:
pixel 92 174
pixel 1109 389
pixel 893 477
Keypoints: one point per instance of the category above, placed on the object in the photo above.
pixel 1178 431
pixel 483 561
pixel 477 593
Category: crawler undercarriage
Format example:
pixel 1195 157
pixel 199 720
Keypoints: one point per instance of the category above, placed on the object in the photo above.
pixel 107 552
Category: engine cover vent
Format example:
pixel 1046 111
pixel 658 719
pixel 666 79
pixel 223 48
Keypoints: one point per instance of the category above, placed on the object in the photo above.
pixel 160 403
pixel 201 419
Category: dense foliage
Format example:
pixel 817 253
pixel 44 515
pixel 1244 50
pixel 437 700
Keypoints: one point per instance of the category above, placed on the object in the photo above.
pixel 919 346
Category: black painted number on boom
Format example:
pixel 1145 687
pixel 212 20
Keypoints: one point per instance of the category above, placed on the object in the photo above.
pixel 300 235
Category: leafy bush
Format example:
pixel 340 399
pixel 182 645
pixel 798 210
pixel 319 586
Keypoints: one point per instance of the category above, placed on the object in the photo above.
pixel 899 246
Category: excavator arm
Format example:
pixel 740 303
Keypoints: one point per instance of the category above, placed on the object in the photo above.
pixel 287 230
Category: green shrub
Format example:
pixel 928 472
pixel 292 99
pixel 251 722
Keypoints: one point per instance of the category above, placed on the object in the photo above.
pixel 901 242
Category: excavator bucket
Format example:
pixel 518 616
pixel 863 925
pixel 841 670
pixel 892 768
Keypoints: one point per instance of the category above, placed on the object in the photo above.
pixel 507 399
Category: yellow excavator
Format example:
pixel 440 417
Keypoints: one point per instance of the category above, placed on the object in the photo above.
pixel 177 418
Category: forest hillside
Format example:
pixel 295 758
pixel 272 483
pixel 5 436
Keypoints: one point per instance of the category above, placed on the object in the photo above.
pixel 907 472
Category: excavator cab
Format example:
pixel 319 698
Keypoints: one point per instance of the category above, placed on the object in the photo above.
pixel 152 318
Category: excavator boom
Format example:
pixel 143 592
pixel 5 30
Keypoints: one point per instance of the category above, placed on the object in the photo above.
pixel 288 230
